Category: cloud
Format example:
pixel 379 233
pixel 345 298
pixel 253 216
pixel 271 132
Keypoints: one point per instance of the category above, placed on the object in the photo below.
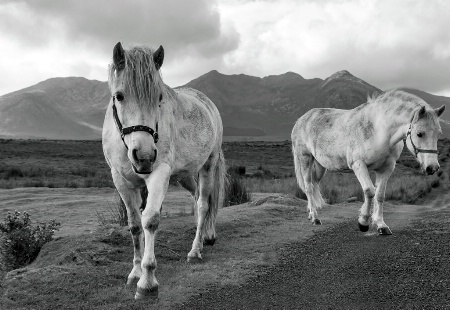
pixel 186 29
pixel 386 43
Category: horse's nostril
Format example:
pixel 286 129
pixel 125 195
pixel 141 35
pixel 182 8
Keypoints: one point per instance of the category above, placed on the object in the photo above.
pixel 154 156
pixel 430 170
pixel 134 154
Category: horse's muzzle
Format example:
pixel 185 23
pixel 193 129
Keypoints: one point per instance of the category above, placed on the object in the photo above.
pixel 142 163
pixel 431 169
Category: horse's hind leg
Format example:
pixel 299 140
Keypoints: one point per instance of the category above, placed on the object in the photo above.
pixel 377 215
pixel 317 175
pixel 190 184
pixel 311 186
pixel 132 200
pixel 363 176
pixel 210 191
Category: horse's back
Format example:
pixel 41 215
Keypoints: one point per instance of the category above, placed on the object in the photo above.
pixel 192 99
pixel 199 129
pixel 317 121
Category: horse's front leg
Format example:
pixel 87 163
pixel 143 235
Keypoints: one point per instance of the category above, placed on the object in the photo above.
pixel 157 183
pixel 377 216
pixel 363 176
pixel 131 197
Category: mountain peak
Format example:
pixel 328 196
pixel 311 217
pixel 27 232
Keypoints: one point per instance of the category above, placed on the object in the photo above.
pixel 343 75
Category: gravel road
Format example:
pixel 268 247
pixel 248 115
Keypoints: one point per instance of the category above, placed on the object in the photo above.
pixel 342 268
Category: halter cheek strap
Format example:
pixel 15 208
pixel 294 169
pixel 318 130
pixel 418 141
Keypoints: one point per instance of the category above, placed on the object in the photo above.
pixel 128 130
pixel 416 149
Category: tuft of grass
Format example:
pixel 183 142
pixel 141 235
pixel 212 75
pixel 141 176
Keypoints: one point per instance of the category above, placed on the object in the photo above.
pixel 236 191
pixel 115 213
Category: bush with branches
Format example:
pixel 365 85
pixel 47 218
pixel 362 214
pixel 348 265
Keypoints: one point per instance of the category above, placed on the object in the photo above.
pixel 20 241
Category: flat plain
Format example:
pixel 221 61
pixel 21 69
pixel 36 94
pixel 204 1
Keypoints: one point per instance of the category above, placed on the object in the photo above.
pixel 87 265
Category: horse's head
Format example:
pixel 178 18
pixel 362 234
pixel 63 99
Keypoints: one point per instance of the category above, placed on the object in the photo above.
pixel 422 138
pixel 137 91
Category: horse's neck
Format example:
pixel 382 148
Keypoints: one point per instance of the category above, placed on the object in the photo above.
pixel 399 125
pixel 388 122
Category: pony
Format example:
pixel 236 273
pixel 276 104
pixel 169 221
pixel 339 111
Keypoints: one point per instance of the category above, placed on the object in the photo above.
pixel 153 134
pixel 368 137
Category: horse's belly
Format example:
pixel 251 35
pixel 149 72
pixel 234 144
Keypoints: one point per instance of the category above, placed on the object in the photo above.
pixel 332 161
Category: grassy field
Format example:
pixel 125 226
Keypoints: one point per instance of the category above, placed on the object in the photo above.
pixel 47 163
pixel 89 271
pixel 87 265
pixel 268 168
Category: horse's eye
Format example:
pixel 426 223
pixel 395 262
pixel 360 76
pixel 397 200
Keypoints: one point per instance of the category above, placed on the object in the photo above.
pixel 420 134
pixel 119 97
pixel 160 97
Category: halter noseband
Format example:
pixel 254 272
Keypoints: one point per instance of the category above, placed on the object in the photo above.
pixel 416 149
pixel 128 130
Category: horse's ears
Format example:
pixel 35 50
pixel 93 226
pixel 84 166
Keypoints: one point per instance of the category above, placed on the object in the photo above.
pixel 440 110
pixel 119 56
pixel 421 112
pixel 158 57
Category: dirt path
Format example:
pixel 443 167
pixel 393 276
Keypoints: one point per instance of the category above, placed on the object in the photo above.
pixel 408 270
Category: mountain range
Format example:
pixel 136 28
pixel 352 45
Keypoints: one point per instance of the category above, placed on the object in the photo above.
pixel 74 107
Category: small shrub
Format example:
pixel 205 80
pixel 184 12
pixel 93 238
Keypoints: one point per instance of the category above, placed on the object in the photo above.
pixel 238 170
pixel 21 242
pixel 14 172
pixel 236 192
pixel 331 194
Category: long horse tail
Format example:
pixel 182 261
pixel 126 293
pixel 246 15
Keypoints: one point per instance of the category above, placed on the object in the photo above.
pixel 215 201
pixel 298 169
pixel 316 176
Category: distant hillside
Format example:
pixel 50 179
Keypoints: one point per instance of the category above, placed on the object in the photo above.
pixel 272 104
pixel 58 108
pixel 74 107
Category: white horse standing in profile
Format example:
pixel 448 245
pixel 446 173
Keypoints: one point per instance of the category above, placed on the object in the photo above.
pixel 368 137
pixel 152 134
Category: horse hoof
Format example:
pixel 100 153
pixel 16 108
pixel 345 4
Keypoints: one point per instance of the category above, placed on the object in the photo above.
pixel 317 222
pixel 209 241
pixel 363 228
pixel 145 293
pixel 194 259
pixel 385 231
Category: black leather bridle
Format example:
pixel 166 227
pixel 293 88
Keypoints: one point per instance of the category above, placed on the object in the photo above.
pixel 416 149
pixel 128 130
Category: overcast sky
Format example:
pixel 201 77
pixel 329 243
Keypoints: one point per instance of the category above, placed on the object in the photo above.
pixel 388 43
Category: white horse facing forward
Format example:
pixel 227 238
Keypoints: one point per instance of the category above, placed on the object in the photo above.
pixel 368 137
pixel 152 134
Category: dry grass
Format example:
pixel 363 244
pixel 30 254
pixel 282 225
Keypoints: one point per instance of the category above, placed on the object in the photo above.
pixel 338 187
pixel 89 271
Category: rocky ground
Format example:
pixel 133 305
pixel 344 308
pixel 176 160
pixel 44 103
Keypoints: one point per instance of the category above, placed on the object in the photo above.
pixel 342 268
